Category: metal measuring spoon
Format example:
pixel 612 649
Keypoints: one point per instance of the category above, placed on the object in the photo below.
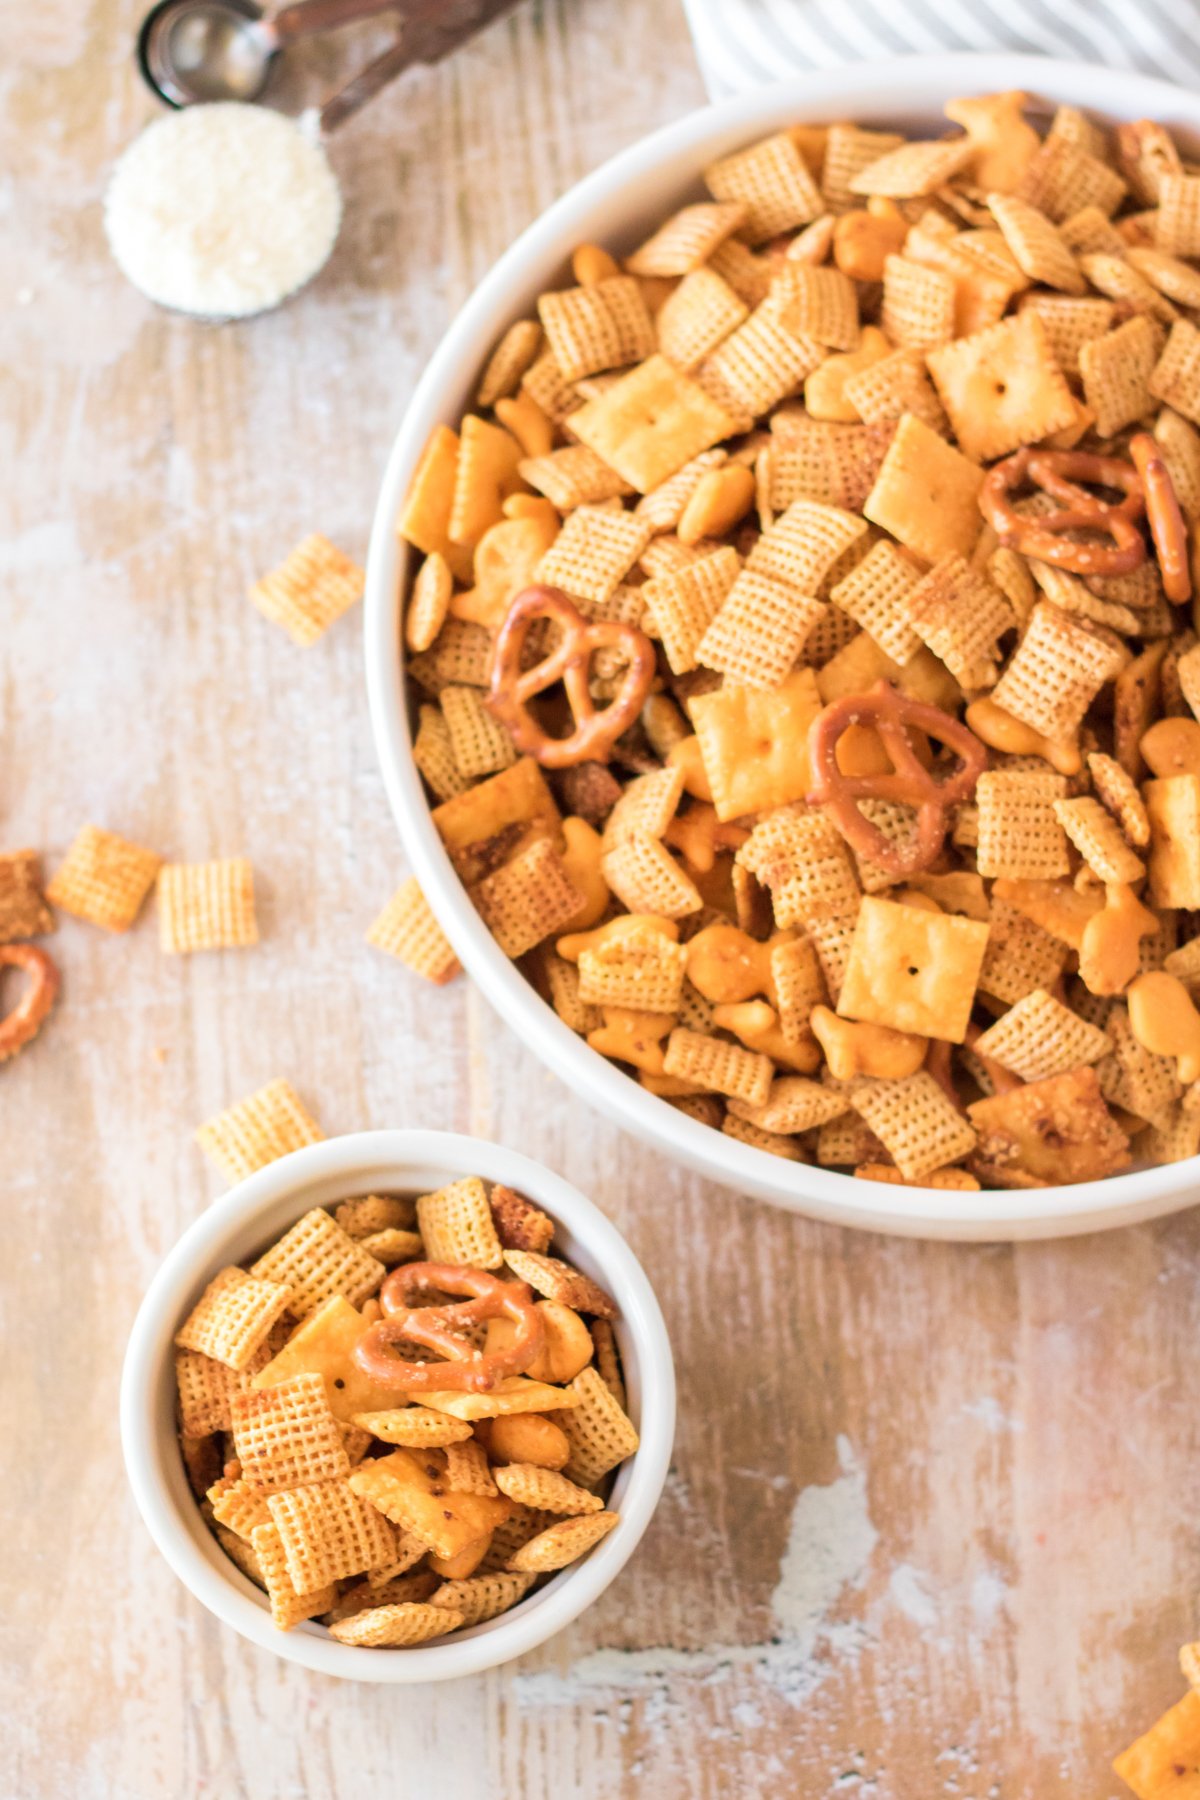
pixel 194 51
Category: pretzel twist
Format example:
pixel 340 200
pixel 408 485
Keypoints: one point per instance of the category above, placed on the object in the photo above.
pixel 441 1328
pixel 1059 473
pixel 1163 516
pixel 512 687
pixel 893 716
pixel 22 1024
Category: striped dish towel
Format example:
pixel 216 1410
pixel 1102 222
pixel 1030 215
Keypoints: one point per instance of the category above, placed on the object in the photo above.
pixel 743 43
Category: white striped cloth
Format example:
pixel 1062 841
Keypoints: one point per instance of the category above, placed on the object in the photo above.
pixel 743 43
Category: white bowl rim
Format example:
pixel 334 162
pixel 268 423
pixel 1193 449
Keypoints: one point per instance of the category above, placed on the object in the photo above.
pixel 870 90
pixel 228 1594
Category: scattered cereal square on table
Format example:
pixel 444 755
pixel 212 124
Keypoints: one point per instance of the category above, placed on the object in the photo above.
pixel 408 929
pixel 104 879
pixel 23 909
pixel 257 1130
pixel 206 906
pixel 311 588
pixel 913 970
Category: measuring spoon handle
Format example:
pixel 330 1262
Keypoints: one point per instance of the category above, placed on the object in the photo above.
pixel 431 30
pixel 307 17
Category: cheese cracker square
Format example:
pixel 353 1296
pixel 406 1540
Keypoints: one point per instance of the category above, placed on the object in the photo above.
pixel 1002 387
pixel 927 494
pixel 913 970
pixel 651 422
pixel 753 743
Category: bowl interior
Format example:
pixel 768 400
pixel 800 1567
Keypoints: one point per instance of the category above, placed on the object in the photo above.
pixel 616 206
pixel 251 1218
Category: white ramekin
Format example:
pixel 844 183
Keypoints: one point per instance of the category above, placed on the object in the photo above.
pixel 249 1218
pixel 615 206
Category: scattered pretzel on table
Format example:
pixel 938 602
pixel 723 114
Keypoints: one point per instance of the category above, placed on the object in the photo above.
pixel 893 716
pixel 20 1026
pixel 512 687
pixel 441 1328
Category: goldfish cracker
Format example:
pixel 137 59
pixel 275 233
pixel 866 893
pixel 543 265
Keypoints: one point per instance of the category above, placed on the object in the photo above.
pixel 722 497
pixel 698 835
pixel 824 390
pixel 686 756
pixel 582 852
pixel 1108 949
pixel 864 239
pixel 1164 1021
pixel 1056 906
pixel 634 1037
pixel 728 966
pixel 1172 747
pixel 999 730
pixel 855 1049
pixel 590 264
pixel 757 1025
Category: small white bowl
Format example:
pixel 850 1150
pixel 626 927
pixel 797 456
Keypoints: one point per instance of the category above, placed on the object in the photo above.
pixel 616 206
pixel 243 1223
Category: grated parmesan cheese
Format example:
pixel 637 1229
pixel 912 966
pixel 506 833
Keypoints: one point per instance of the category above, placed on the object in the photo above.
pixel 222 210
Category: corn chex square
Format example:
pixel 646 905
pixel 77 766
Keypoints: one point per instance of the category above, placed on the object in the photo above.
pixel 480 744
pixel 641 969
pixel 1002 387
pixel 1177 221
pixel 918 304
pixel 1062 179
pixel 875 594
pixel 317 1260
pixel 311 588
pixel 721 1067
pixel 509 361
pixel 1119 371
pixel 1175 378
pixel 687 239
pixel 697 317
pixel 328 1533
pixel 233 1317
pixel 1036 244
pixel 457 1225
pixel 1020 957
pixel 206 906
pixel 255 1131
pixel 803 860
pixel 913 170
pixel 593 552
pixel 603 326
pixel 288 1608
pixel 1058 668
pixel 104 879
pixel 759 630
pixel 819 303
pixel 772 182
pixel 286 1436
pixel 686 602
pixel 1020 836
pixel 805 544
pixel 916 1123
pixel 893 386
pixel 1040 1037
pixel 646 878
pixel 1097 837
pixel 528 898
pixel 758 365
pixel 1070 323
pixel 848 150
pixel 961 616
pixel 408 929
pixel 664 506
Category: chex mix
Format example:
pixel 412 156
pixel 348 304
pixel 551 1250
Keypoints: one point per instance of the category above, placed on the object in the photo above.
pixel 405 1412
pixel 802 654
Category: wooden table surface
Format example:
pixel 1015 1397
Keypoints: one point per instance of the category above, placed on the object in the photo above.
pixel 931 1527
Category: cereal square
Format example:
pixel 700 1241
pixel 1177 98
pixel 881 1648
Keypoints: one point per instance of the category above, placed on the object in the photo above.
pixel 286 1436
pixel 602 326
pixel 104 879
pixel 206 906
pixel 457 1225
pixel 317 1260
pixel 913 970
pixel 233 1317
pixel 311 588
pixel 407 928
pixel 771 181
pixel 257 1130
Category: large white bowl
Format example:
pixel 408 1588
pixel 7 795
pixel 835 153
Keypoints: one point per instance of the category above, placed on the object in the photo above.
pixel 243 1223
pixel 615 206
